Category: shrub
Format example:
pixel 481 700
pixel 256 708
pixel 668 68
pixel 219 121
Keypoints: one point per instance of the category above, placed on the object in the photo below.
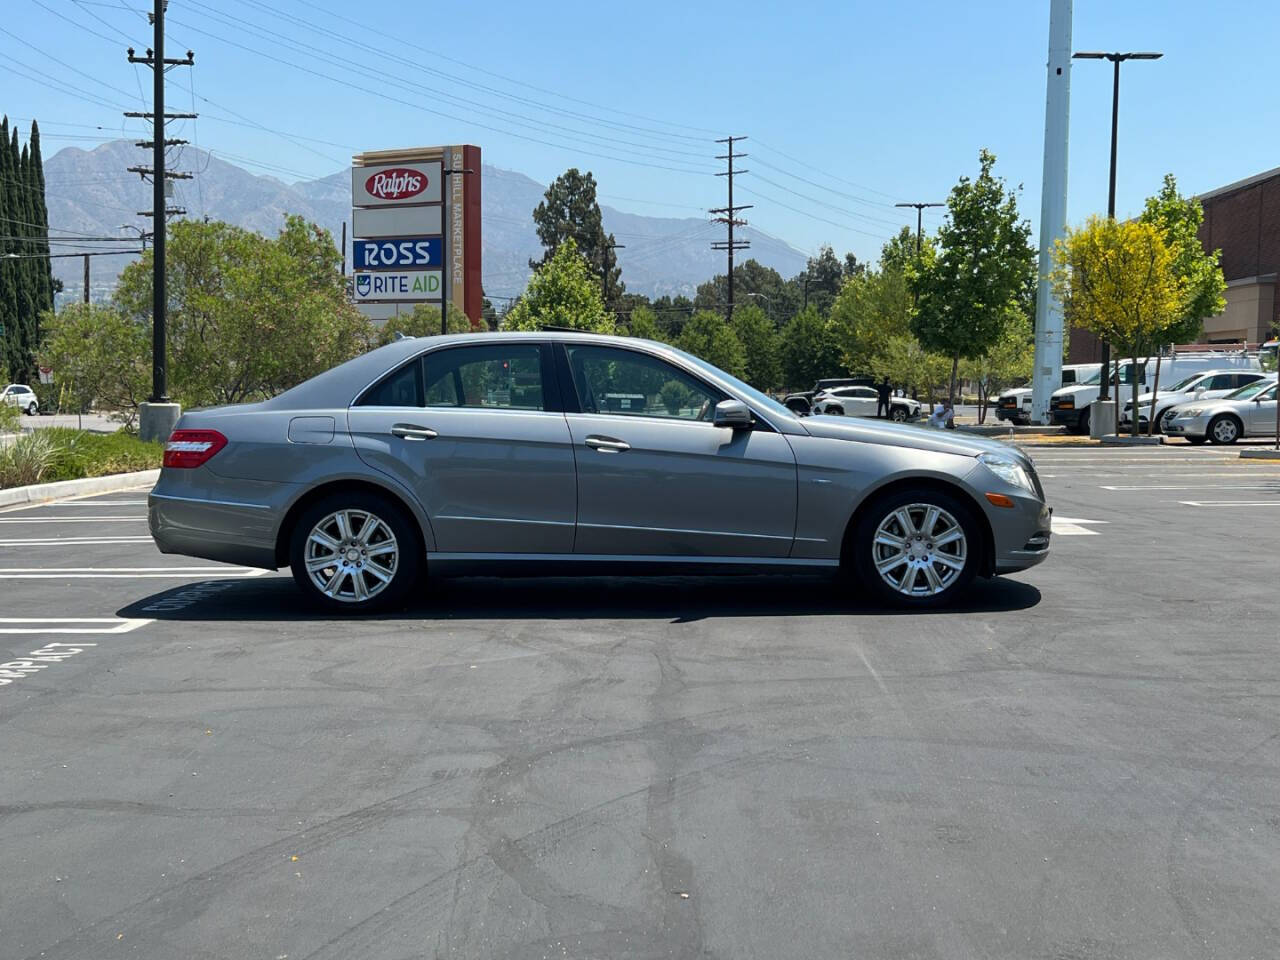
pixel 674 395
pixel 27 459
pixel 80 453
pixel 10 418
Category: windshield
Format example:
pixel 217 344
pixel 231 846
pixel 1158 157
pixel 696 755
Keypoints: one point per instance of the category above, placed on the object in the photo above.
pixel 750 392
pixel 1249 391
pixel 1095 377
pixel 1185 384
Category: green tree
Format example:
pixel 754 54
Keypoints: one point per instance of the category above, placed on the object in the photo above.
pixel 1179 219
pixel 873 307
pixel 423 321
pixel 978 281
pixel 826 275
pixel 643 323
pixel 43 268
pixel 98 356
pixel 569 211
pixel 248 316
pixel 9 357
pixel 808 350
pixel 751 280
pixel 708 336
pixel 1120 282
pixel 1006 363
pixel 561 293
pixel 760 347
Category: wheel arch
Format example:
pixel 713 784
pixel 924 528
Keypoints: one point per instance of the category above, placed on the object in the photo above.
pixel 928 482
pixel 340 485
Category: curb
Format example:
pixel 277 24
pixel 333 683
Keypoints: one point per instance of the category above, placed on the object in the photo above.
pixel 40 492
pixel 1114 441
pixel 1260 454
pixel 990 430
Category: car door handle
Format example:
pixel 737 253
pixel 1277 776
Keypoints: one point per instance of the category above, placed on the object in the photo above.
pixel 607 444
pixel 411 431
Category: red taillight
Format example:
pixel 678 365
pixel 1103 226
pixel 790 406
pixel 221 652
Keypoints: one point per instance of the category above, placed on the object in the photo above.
pixel 192 448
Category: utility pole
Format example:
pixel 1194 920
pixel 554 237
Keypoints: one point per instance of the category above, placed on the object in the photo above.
pixel 728 216
pixel 604 270
pixel 158 416
pixel 86 278
pixel 446 221
pixel 343 248
pixel 919 207
pixel 1116 59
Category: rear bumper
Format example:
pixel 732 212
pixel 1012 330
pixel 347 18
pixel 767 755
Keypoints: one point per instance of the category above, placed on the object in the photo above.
pixel 189 513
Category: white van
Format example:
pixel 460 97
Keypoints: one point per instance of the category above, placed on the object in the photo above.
pixel 1069 406
pixel 1015 404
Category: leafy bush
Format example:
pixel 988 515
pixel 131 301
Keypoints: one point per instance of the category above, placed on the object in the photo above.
pixel 674 395
pixel 79 453
pixel 10 418
pixel 27 459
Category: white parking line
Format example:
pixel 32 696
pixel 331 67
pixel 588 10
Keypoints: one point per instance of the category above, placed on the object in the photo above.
pixel 122 573
pixel 1073 527
pixel 1198 486
pixel 70 541
pixel 1230 503
pixel 99 624
pixel 79 503
pixel 74 520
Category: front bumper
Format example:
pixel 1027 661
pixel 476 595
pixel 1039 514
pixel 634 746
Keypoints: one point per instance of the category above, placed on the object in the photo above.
pixel 1066 417
pixel 1187 427
pixel 1021 534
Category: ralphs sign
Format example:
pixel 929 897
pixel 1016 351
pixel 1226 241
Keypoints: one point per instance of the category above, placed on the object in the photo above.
pixel 395 183
pixel 394 253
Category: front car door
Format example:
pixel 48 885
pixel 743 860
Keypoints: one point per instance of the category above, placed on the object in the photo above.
pixel 658 479
pixel 473 431
pixel 1262 413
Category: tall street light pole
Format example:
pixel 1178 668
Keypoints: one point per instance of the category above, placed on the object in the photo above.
pixel 1116 59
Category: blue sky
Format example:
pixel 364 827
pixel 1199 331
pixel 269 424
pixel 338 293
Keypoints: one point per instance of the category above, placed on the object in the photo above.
pixel 869 102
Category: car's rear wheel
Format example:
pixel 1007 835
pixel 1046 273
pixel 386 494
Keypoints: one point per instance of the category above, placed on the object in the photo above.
pixel 1224 429
pixel 917 547
pixel 354 552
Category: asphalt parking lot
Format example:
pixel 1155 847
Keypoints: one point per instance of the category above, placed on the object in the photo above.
pixel 1081 763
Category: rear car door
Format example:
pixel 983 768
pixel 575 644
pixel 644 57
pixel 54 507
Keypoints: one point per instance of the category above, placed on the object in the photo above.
pixel 658 478
pixel 474 433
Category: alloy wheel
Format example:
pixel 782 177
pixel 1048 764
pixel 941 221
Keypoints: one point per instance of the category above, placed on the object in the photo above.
pixel 899 414
pixel 1226 431
pixel 919 550
pixel 351 555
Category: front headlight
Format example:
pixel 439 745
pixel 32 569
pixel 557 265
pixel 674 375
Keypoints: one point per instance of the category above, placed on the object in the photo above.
pixel 1193 412
pixel 1010 471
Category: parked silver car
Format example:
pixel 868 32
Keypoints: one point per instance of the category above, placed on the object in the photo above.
pixel 1208 385
pixel 1248 412
pixel 549 451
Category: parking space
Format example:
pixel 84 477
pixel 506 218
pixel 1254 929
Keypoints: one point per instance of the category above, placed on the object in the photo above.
pixel 1081 761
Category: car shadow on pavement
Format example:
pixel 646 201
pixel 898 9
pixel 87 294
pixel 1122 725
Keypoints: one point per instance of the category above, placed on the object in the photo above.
pixel 679 599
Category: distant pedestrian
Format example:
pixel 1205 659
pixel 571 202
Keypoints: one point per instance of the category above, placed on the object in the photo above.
pixel 943 417
pixel 883 392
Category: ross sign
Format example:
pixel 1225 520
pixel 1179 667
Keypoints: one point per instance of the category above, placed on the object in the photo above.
pixel 395 221
pixel 396 252
pixel 400 285
pixel 376 186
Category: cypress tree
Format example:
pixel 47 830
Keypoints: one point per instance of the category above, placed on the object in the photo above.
pixel 25 320
pixel 44 300
pixel 8 292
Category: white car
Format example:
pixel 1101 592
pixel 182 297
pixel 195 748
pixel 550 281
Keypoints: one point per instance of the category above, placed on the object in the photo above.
pixel 1248 412
pixel 21 396
pixel 1199 386
pixel 862 402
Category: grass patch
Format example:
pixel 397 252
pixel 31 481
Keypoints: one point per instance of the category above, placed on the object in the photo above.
pixel 60 453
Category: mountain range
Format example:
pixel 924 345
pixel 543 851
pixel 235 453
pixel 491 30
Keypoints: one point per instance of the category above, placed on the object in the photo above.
pixel 90 193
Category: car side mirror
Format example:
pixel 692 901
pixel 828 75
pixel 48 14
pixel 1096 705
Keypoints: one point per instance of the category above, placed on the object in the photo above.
pixel 733 414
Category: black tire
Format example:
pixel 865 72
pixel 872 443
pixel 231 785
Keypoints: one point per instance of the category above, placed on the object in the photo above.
pixel 407 558
pixel 834 410
pixel 1082 425
pixel 862 553
pixel 32 410
pixel 1224 429
pixel 898 414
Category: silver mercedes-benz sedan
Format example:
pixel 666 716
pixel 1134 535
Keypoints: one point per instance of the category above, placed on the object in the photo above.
pixel 546 452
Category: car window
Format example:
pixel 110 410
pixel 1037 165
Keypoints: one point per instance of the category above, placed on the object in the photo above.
pixel 503 376
pixel 1243 379
pixel 1223 381
pixel 1249 391
pixel 400 388
pixel 613 380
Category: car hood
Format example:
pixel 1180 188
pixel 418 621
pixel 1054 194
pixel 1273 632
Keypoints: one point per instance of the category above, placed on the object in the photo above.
pixel 906 435
pixel 1072 390
pixel 1016 392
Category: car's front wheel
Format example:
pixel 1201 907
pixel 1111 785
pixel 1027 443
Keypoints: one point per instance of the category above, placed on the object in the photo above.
pixel 1224 429
pixel 899 414
pixel 354 552
pixel 917 547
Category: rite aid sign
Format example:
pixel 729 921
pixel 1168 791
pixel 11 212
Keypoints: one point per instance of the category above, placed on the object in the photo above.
pixel 402 285
pixel 399 183
pixel 396 253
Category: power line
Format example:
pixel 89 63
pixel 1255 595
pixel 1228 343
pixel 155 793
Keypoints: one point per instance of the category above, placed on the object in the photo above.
pixel 813 216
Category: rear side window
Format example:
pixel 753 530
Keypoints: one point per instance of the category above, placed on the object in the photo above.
pixel 401 388
pixel 503 376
